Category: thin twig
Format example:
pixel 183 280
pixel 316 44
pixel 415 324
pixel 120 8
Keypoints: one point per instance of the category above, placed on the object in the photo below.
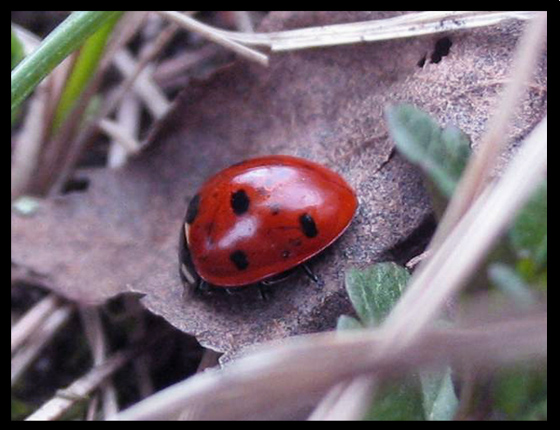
pixel 243 21
pixel 128 117
pixel 93 329
pixel 28 324
pixel 243 389
pixel 80 389
pixel 441 276
pixel 147 56
pixel 347 401
pixel 152 96
pixel 171 70
pixel 29 143
pixel 121 135
pixel 409 25
pixel 141 363
pixel 68 131
pixel 211 34
pixel 467 244
pixel 90 130
pixel 40 338
pixel 478 171
pixel 430 289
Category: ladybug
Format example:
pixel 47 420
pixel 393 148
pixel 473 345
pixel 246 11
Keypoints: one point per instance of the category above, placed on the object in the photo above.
pixel 260 218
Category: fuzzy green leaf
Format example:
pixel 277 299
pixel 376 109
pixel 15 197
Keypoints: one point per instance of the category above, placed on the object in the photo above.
pixel 520 393
pixel 439 399
pixel 442 154
pixel 529 233
pixel 508 280
pixel 375 290
pixel 400 401
pixel 373 293
pixel 346 322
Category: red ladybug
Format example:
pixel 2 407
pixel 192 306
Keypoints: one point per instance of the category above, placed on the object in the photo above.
pixel 260 218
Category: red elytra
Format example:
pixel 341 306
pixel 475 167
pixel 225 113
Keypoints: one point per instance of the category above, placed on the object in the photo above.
pixel 261 217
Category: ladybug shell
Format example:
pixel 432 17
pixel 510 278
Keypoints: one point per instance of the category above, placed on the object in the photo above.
pixel 264 216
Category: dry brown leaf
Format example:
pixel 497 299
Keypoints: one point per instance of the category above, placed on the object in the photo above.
pixel 323 104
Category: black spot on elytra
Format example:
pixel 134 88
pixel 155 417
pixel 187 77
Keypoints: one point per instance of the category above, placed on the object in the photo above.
pixel 441 49
pixel 240 202
pixel 192 210
pixel 239 258
pixel 308 225
pixel 286 254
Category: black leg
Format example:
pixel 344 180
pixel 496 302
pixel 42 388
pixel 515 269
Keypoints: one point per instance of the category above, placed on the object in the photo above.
pixel 263 291
pixel 202 288
pixel 230 291
pixel 277 279
pixel 310 273
pixel 316 280
pixel 196 289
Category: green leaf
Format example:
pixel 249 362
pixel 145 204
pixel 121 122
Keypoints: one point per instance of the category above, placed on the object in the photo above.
pixel 65 39
pixel 508 280
pixel 439 399
pixel 529 232
pixel 537 412
pixel 20 409
pixel 400 401
pixel 520 393
pixel 17 50
pixel 375 290
pixel 442 154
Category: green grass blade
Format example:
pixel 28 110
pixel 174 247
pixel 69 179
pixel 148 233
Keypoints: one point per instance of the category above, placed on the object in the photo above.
pixel 65 39
pixel 83 69
pixel 17 55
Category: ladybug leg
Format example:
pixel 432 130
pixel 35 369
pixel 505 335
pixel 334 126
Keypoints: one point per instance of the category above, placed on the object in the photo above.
pixel 231 291
pixel 203 287
pixel 264 285
pixel 277 278
pixel 193 284
pixel 264 291
pixel 311 275
pixel 190 290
